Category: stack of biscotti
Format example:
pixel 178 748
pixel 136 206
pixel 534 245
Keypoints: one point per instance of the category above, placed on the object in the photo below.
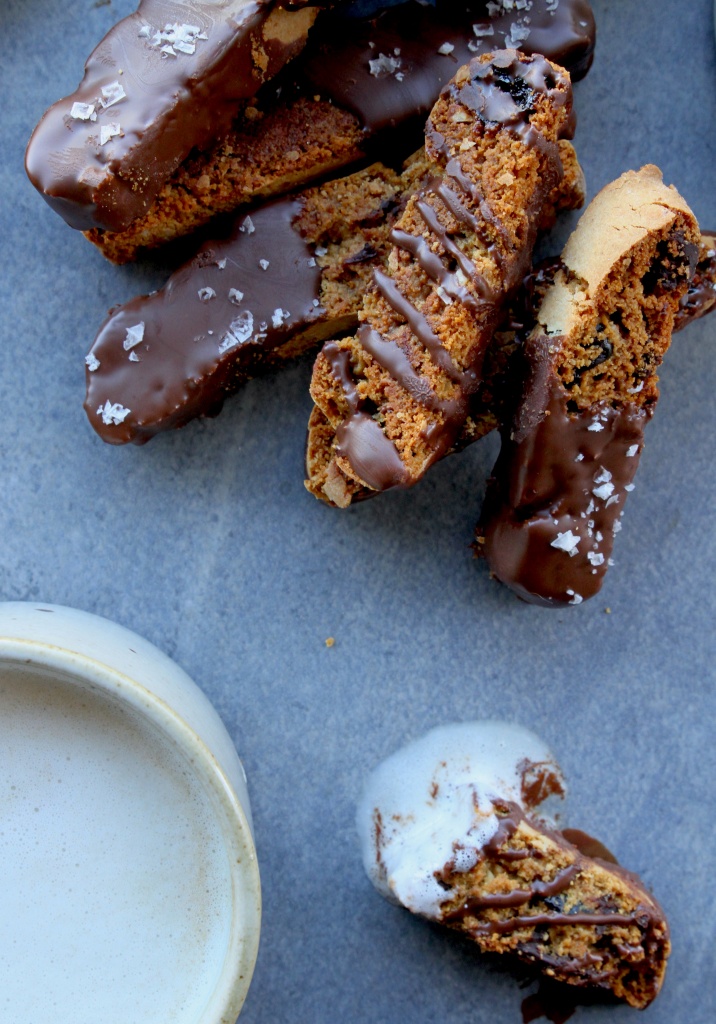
pixel 394 398
pixel 572 440
pixel 288 276
pixel 360 91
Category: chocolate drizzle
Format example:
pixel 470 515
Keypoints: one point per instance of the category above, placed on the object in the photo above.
pixel 530 912
pixel 502 93
pixel 374 454
pixel 558 489
pixel 216 319
pixel 151 93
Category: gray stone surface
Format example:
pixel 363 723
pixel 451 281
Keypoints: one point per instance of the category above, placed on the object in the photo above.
pixel 205 542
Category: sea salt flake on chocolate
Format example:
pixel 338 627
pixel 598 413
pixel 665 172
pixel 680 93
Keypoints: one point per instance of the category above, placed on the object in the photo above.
pixel 632 450
pixel 113 413
pixel 446 49
pixel 578 458
pixel 92 362
pixel 264 264
pixel 483 29
pixel 221 264
pixel 112 93
pixel 517 36
pixel 107 132
pixel 617 526
pixel 240 330
pixel 247 226
pixel 603 491
pixel 280 316
pixel 612 501
pixel 134 336
pixel 235 296
pixel 206 294
pixel 133 357
pixel 168 50
pixel 566 541
pixel 83 112
pixel 595 557
pixel 637 389
pixel 576 598
pixel 321 250
pixel 595 425
pixel 629 487
pixel 384 65
pixel 603 477
pixel 145 32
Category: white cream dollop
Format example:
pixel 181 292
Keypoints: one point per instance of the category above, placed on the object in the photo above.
pixel 432 803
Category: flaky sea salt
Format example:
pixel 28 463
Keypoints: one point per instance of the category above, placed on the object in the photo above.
pixel 264 264
pixel 112 93
pixel 446 49
pixel 83 112
pixel 384 65
pixel 240 330
pixel 206 294
pixel 113 413
pixel 235 296
pixel 632 450
pixel 92 362
pixel 134 336
pixel 566 541
pixel 107 132
pixel 247 226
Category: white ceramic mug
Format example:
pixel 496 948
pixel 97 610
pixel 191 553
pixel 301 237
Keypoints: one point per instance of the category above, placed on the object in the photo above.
pixel 130 890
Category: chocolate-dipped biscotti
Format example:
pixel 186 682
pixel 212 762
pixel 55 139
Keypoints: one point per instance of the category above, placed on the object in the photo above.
pixel 571 447
pixel 359 92
pixel 462 827
pixel 394 398
pixel 285 278
pixel 153 91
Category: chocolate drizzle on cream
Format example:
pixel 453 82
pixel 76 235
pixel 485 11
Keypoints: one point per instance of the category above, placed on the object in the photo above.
pixel 501 94
pixel 151 93
pixel 216 320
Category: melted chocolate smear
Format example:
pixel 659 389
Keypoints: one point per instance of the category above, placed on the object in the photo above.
pixel 488 92
pixel 215 322
pixel 151 93
pixel 390 72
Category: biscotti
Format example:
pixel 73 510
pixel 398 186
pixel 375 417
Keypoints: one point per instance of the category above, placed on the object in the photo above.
pixel 571 447
pixel 101 155
pixel 462 826
pixel 285 278
pixel 359 92
pixel 397 394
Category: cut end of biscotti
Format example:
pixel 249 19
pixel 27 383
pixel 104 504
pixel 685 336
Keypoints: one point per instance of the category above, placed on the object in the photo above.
pixel 571 447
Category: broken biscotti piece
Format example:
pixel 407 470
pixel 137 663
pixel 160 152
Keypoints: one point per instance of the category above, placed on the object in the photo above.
pixel 360 91
pixel 461 827
pixel 571 448
pixel 163 359
pixel 151 93
pixel 394 398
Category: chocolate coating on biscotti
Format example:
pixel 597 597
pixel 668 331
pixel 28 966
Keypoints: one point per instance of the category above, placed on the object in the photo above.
pixel 571 447
pixel 330 107
pixel 264 293
pixel 392 71
pixel 462 245
pixel 154 89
